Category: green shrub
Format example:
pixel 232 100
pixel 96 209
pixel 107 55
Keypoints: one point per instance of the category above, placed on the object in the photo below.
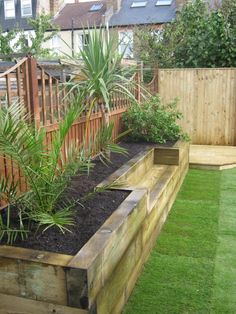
pixel 154 122
pixel 197 37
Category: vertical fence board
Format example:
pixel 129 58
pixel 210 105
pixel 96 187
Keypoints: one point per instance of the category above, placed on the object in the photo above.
pixel 206 99
pixel 46 104
pixel 43 95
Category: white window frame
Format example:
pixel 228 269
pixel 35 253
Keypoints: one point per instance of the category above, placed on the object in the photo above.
pixel 56 44
pixel 28 5
pixel 126 43
pixel 11 4
pixel 82 42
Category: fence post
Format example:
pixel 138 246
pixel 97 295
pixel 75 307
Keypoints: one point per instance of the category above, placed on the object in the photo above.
pixel 138 89
pixel 156 80
pixel 34 91
pixel 141 71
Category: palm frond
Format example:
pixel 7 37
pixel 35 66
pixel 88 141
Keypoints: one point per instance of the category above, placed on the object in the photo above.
pixel 60 219
pixel 104 141
pixel 8 189
pixel 12 234
pixel 7 230
pixel 101 189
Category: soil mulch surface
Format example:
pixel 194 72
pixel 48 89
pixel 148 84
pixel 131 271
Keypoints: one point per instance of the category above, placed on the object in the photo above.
pixel 89 217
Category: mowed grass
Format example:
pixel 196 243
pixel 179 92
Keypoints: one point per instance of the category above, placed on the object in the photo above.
pixel 224 290
pixel 179 276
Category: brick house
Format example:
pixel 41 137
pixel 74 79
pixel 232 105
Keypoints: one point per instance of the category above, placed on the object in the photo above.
pixel 74 16
pixel 120 16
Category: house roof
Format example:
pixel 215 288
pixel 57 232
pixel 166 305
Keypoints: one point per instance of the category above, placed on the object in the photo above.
pixel 18 21
pixel 149 14
pixel 81 15
pixel 5 65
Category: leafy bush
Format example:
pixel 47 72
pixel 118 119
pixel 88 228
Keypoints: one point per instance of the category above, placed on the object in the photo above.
pixel 153 122
pixel 147 75
pixel 197 37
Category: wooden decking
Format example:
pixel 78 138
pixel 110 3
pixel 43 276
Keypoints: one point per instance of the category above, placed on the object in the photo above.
pixel 212 157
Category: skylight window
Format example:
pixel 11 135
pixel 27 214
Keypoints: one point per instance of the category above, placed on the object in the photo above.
pixel 96 7
pixel 139 4
pixel 163 2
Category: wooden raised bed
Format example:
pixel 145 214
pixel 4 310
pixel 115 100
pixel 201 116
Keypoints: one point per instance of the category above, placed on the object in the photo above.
pixel 101 276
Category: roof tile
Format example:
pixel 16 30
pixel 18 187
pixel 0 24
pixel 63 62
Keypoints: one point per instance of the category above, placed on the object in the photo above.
pixel 81 14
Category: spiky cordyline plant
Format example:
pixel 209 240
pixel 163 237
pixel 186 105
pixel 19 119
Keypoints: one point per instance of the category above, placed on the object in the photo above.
pixel 101 71
pixel 47 172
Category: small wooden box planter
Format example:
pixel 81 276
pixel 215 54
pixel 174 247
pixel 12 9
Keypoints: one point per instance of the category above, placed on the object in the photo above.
pixel 101 276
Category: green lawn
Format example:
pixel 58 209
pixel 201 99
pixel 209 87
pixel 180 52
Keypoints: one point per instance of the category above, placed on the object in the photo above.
pixel 192 269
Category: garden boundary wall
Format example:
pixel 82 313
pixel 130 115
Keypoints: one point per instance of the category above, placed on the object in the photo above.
pixel 46 101
pixel 207 99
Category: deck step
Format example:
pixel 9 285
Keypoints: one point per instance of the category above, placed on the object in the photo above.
pixel 212 157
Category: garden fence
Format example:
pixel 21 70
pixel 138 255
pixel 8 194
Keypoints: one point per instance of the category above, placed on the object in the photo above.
pixel 45 101
pixel 207 99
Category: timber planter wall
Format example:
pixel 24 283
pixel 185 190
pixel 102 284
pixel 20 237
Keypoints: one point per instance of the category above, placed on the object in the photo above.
pixel 102 275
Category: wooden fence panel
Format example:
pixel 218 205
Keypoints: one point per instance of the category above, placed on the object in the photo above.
pixel 207 99
pixel 46 103
pixel 14 86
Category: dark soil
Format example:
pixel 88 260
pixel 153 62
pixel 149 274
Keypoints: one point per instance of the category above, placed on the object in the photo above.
pixel 89 217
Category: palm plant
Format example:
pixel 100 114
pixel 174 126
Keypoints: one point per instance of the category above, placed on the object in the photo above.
pixel 8 194
pixel 47 172
pixel 102 75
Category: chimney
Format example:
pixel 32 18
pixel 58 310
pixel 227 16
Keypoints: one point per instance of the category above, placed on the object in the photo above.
pixel 115 5
pixel 112 7
pixel 54 6
pixel 180 4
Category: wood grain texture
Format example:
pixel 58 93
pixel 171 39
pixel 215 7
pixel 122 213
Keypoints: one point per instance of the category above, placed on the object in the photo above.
pixel 16 305
pixel 120 283
pixel 33 281
pixel 77 287
pixel 166 156
pixel 207 100
pixel 43 257
pixel 103 252
pixel 212 157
